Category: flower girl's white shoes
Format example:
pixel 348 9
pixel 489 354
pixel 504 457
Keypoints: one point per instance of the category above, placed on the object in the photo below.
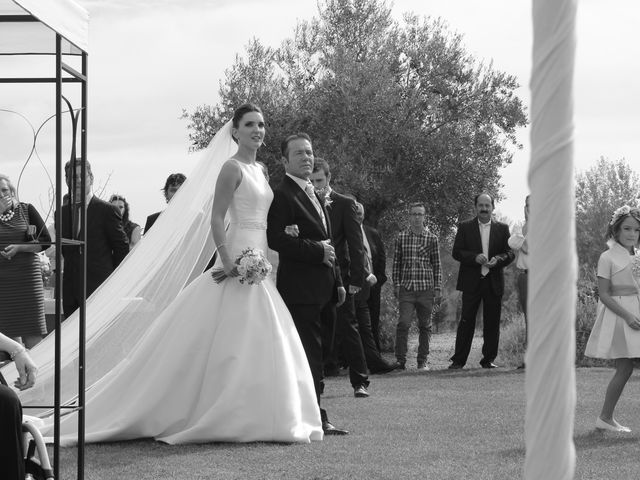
pixel 616 427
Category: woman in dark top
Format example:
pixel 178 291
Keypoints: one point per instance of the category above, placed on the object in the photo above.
pixel 21 289
pixel 131 229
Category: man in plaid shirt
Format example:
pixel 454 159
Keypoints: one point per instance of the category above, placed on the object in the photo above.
pixel 417 280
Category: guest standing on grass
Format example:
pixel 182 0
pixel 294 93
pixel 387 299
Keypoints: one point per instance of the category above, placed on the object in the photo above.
pixel 417 281
pixel 481 246
pixel 379 265
pixel 347 239
pixel 375 361
pixel 131 228
pixel 107 244
pixel 171 186
pixel 616 331
pixel 21 289
pixel 518 243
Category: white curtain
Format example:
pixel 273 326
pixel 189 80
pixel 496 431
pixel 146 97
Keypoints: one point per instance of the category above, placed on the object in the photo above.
pixel 550 359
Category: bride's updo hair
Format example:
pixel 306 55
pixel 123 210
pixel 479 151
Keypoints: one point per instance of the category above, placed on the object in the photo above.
pixel 241 110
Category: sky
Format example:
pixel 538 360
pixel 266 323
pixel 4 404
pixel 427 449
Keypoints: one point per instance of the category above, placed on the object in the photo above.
pixel 150 59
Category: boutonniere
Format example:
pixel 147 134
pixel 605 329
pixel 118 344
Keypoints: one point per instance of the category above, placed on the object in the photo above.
pixel 327 201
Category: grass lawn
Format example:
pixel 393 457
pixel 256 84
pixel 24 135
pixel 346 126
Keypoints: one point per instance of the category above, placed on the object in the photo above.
pixel 429 425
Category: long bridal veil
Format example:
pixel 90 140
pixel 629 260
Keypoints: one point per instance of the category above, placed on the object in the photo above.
pixel 124 307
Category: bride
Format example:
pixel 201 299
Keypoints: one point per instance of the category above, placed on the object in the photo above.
pixel 223 362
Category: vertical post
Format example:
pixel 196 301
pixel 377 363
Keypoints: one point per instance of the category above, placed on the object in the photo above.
pixel 58 223
pixel 550 359
pixel 82 325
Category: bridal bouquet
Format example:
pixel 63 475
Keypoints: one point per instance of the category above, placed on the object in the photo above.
pixel 252 266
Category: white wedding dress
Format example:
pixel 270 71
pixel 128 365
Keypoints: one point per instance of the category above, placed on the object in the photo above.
pixel 222 363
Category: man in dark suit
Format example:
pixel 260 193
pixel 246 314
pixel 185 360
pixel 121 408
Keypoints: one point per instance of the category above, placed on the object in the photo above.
pixel 347 238
pixel 106 246
pixel 171 186
pixel 307 276
pixel 481 246
pixel 375 361
pixel 379 266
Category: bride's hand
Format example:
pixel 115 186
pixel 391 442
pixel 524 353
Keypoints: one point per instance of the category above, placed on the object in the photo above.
pixel 292 230
pixel 231 269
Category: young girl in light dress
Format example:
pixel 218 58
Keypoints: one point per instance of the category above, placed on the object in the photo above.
pixel 616 331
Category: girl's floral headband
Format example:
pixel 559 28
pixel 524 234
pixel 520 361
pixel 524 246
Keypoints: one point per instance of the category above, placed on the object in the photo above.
pixel 622 211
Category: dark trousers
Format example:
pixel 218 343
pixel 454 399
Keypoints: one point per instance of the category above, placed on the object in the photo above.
pixel 374 313
pixel 491 308
pixel 11 453
pixel 308 320
pixel 375 362
pixel 348 343
pixel 522 284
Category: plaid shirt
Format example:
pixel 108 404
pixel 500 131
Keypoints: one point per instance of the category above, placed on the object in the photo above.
pixel 416 261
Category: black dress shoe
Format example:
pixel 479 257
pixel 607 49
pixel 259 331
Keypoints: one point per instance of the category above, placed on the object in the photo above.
pixel 329 429
pixel 488 365
pixel 386 368
pixel 455 366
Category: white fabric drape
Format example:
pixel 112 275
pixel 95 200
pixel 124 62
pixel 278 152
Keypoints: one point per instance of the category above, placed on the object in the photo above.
pixel 122 309
pixel 65 17
pixel 550 359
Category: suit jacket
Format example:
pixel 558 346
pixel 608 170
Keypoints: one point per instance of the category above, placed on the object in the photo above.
pixel 106 247
pixel 302 277
pixel 468 244
pixel 378 254
pixel 151 219
pixel 347 239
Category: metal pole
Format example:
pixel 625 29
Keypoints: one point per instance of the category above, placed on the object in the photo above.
pixel 58 223
pixel 82 326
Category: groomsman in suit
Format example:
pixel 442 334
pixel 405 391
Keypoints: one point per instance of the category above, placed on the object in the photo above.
pixel 171 186
pixel 481 246
pixel 375 362
pixel 518 243
pixel 347 238
pixel 107 243
pixel 379 265
pixel 307 275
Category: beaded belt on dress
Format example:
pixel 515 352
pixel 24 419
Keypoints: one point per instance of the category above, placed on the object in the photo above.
pixel 249 225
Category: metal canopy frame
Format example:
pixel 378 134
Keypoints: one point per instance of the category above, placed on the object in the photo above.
pixel 81 78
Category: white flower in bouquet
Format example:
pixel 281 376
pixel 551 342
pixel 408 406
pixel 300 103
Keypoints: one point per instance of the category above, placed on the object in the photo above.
pixel 252 266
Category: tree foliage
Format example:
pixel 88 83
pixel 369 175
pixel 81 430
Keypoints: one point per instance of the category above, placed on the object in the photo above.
pixel 400 110
pixel 599 191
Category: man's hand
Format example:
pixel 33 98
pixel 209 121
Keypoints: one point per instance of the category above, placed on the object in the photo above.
pixel 371 279
pixel 353 289
pixel 492 263
pixel 27 371
pixel 329 253
pixel 342 296
pixel 437 297
pixel 481 258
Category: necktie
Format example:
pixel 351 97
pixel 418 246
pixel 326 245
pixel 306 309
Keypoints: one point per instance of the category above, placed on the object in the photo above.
pixel 76 211
pixel 311 193
pixel 367 251
pixel 484 234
